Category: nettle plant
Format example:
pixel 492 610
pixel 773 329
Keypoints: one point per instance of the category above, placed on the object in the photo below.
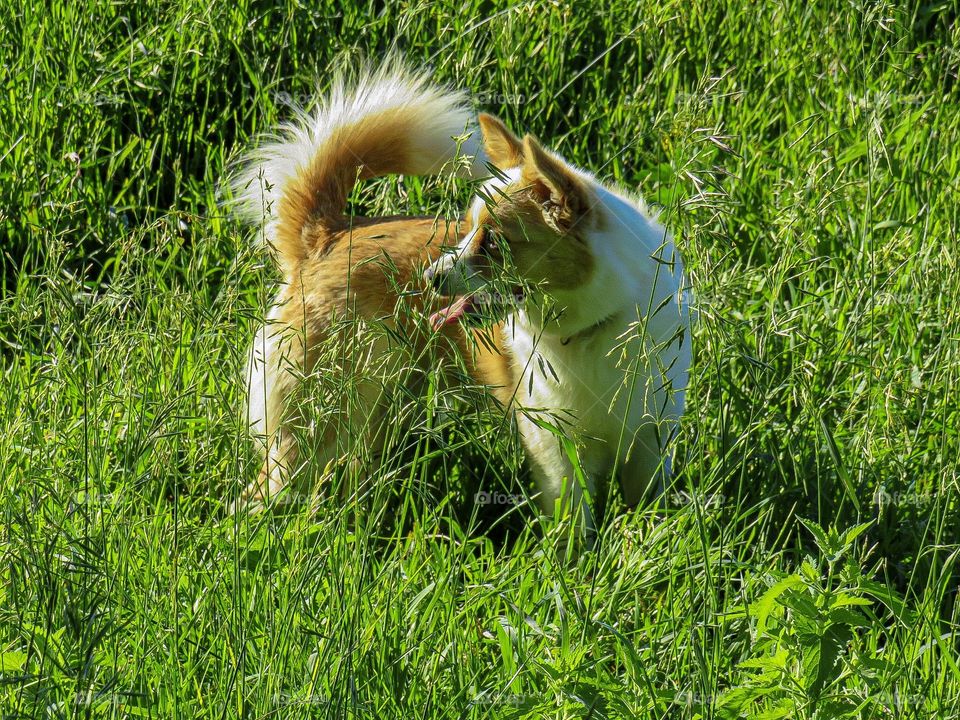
pixel 812 656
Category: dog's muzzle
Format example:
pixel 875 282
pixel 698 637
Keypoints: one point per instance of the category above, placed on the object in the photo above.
pixel 448 277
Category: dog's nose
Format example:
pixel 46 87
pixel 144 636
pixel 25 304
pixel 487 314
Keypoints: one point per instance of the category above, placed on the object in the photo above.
pixel 436 279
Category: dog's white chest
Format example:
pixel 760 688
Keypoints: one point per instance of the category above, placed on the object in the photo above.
pixel 602 388
pixel 579 383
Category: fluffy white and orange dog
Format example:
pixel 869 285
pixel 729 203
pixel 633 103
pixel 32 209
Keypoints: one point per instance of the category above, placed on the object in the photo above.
pixel 597 329
pixel 342 274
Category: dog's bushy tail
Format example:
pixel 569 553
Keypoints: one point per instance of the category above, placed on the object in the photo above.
pixel 383 121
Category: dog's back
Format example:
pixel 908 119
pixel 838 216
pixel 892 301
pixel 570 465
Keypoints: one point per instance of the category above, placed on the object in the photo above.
pixel 341 271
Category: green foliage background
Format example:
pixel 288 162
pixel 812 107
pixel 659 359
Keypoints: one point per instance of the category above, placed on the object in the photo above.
pixel 806 157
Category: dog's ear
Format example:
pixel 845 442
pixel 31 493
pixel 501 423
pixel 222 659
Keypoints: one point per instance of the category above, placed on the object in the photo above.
pixel 553 185
pixel 503 147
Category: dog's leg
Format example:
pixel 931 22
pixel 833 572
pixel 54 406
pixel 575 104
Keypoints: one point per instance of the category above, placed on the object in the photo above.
pixel 274 373
pixel 279 370
pixel 271 479
pixel 558 487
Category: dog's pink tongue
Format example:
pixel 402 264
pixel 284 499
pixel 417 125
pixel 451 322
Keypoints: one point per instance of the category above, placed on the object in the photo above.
pixel 450 314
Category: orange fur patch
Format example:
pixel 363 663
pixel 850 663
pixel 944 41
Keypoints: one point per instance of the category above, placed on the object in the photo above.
pixel 539 252
pixel 370 271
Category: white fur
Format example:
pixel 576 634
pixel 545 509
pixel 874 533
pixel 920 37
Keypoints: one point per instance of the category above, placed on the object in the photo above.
pixel 615 387
pixel 441 115
pixel 260 375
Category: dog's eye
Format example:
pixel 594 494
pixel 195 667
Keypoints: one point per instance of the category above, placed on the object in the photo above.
pixel 490 243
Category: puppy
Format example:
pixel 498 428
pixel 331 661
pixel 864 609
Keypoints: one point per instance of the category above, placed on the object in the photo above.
pixel 348 326
pixel 597 328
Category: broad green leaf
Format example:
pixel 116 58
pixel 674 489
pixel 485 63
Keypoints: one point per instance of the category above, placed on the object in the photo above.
pixel 819 534
pixel 768 601
pixel 12 661
pixel 802 604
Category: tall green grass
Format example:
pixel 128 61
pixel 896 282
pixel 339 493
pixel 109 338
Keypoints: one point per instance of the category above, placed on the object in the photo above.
pixel 806 157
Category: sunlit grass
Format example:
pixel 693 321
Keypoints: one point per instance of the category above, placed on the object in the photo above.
pixel 806 158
